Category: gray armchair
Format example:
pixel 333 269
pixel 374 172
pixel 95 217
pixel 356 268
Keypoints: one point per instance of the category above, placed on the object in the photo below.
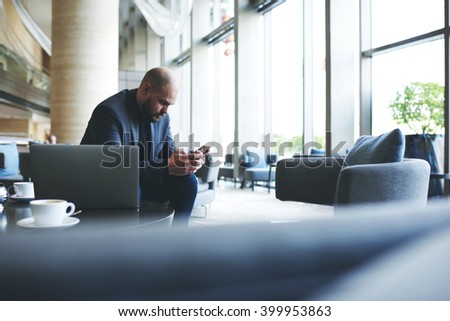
pixel 257 168
pixel 207 177
pixel 15 165
pixel 374 170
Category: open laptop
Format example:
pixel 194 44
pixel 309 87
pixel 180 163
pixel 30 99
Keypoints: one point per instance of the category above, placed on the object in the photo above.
pixel 90 176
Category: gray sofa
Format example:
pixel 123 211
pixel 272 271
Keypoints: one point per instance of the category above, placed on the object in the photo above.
pixel 324 180
pixel 393 252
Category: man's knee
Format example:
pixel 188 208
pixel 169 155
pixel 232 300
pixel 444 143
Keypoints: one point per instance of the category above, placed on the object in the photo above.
pixel 189 183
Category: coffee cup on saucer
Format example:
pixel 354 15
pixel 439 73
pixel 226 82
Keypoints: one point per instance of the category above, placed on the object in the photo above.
pixel 23 189
pixel 50 212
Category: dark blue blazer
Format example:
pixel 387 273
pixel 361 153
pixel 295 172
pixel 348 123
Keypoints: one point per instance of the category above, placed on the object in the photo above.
pixel 116 121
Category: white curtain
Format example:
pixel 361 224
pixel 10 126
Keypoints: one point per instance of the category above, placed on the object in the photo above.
pixel 33 28
pixel 165 21
pixel 2 11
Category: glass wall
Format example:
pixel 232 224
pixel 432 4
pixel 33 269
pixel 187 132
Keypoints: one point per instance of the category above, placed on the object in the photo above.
pixel 297 73
pixel 222 69
pixel 180 113
pixel 418 58
pixel 393 71
pixel 405 85
pixel 281 87
pixel 317 50
pixel 286 72
pixel 220 11
pixel 185 37
pixel 397 20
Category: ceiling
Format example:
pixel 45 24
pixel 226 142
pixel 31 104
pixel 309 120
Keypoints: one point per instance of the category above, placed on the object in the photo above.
pixel 41 12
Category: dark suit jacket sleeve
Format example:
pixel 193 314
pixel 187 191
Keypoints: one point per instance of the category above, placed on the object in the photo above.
pixel 154 170
pixel 104 128
pixel 169 146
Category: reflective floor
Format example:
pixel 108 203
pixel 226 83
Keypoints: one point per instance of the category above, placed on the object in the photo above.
pixel 234 205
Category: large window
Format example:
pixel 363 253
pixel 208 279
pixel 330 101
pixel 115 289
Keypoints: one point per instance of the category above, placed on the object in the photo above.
pixel 297 72
pixel 221 68
pixel 393 71
pixel 315 79
pixel 220 11
pixel 185 37
pixel 404 53
pixel 291 97
pixel 286 73
pixel 397 20
pixel 406 47
pixel 180 113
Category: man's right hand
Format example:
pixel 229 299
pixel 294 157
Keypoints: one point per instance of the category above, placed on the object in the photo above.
pixel 180 163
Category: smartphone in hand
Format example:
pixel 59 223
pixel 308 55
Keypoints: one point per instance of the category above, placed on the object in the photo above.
pixel 204 149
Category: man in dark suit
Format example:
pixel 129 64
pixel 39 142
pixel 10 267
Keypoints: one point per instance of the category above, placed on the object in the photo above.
pixel 140 117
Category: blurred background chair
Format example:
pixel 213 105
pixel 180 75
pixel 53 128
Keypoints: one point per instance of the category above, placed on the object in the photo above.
pixel 207 177
pixel 226 171
pixel 14 165
pixel 258 169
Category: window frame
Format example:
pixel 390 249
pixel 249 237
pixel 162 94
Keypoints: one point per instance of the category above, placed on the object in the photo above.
pixel 367 53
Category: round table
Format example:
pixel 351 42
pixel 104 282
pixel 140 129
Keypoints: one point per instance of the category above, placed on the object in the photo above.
pixel 149 215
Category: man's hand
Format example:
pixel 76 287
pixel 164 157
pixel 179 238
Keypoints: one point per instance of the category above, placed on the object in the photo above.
pixel 180 163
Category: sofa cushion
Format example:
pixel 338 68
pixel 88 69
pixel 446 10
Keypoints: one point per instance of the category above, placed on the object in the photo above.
pixel 10 157
pixel 259 174
pixel 385 148
pixel 256 157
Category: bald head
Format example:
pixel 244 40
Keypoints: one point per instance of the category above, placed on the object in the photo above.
pixel 160 78
pixel 157 92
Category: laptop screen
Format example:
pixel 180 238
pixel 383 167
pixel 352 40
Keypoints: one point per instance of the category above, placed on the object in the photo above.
pixel 90 176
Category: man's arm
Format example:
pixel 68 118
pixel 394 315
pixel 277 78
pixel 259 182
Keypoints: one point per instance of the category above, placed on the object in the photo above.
pixel 103 128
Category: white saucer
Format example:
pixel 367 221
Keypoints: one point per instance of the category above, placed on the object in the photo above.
pixel 29 223
pixel 21 199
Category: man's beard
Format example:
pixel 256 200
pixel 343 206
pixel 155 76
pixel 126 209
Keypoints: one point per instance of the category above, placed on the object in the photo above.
pixel 156 118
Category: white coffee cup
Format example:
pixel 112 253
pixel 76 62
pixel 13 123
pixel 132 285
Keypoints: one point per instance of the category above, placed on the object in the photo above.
pixel 50 212
pixel 23 189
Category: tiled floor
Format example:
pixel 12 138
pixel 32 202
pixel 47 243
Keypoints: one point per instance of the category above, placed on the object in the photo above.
pixel 233 205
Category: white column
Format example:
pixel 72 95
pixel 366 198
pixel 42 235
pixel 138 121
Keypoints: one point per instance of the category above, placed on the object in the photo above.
pixel 342 64
pixel 249 115
pixel 84 65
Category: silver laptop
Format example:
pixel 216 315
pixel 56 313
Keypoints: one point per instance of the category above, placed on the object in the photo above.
pixel 90 176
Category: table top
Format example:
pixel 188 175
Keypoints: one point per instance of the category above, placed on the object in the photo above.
pixel 149 215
